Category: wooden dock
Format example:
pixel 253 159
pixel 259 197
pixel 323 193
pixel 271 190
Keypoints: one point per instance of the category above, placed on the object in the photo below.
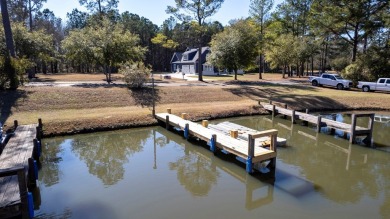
pixel 352 129
pixel 220 141
pixel 243 132
pixel 17 161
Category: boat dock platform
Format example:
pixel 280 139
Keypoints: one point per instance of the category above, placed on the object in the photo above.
pixel 217 140
pixel 352 129
pixel 18 160
pixel 242 133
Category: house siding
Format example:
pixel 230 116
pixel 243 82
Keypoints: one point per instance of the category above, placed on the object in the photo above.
pixel 188 64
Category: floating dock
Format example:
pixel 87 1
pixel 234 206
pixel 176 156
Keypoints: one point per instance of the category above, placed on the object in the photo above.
pixel 17 161
pixel 352 129
pixel 217 140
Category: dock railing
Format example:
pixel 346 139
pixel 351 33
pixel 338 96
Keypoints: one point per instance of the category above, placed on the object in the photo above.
pixel 273 134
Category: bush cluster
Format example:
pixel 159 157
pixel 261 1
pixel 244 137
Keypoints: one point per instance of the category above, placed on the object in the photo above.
pixel 135 74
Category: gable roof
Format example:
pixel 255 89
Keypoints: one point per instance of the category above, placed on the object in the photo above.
pixel 190 54
pixel 178 56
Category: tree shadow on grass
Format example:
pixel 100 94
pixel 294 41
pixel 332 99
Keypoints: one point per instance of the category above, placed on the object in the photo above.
pixel 144 96
pixel 301 85
pixel 298 102
pixel 98 85
pixel 8 100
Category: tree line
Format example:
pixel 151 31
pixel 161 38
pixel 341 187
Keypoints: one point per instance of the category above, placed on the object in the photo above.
pixel 296 36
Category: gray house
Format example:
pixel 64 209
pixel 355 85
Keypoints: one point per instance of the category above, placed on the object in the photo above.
pixel 187 62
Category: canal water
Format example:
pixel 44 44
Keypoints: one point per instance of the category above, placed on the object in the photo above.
pixel 154 173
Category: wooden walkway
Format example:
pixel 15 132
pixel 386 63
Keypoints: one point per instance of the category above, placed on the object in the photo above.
pixel 352 129
pixel 15 161
pixel 238 147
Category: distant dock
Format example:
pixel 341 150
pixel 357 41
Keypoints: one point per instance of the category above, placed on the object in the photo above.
pixel 319 121
pixel 219 140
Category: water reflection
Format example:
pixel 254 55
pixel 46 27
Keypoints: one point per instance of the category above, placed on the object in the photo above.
pixel 344 173
pixel 50 160
pixel 198 170
pixel 314 170
pixel 105 154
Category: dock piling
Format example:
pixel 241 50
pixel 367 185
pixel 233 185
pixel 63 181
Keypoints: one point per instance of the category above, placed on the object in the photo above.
pixel 167 122
pixel 332 130
pixel 251 151
pixel 370 127
pixel 40 125
pixel 285 106
pixel 213 143
pixel 353 129
pixel 15 124
pixel 186 131
pixel 169 110
pixel 273 147
pixel 319 118
pixel 153 98
pixel 32 175
pixel 36 149
pixel 273 110
pixel 293 117
pixel 306 123
pixel 38 133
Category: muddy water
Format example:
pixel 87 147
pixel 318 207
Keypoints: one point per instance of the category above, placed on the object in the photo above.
pixel 153 173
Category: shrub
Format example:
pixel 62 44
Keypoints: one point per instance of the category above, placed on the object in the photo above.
pixel 21 65
pixel 13 71
pixel 135 74
pixel 352 72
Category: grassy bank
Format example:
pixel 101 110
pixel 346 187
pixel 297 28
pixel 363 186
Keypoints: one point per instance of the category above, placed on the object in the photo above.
pixel 78 109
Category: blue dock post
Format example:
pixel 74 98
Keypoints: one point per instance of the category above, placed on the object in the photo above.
pixel 251 153
pixel 30 202
pixel 213 143
pixel 249 165
pixel 37 149
pixel 186 131
pixel 32 172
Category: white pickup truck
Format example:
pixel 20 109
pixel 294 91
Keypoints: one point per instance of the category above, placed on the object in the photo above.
pixel 383 84
pixel 332 80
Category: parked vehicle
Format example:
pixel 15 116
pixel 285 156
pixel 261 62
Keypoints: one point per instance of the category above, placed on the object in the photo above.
pixel 332 80
pixel 383 84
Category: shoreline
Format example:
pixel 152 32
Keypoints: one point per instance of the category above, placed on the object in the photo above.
pixel 83 108
pixel 154 122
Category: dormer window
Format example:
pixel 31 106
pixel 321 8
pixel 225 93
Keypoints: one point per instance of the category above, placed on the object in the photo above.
pixel 185 57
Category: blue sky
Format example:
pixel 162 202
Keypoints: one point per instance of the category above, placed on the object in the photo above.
pixel 154 10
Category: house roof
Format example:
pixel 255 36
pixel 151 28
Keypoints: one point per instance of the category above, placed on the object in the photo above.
pixel 188 52
pixel 178 55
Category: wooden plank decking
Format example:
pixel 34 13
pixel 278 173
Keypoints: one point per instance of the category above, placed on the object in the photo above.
pixel 234 146
pixel 15 155
pixel 226 127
